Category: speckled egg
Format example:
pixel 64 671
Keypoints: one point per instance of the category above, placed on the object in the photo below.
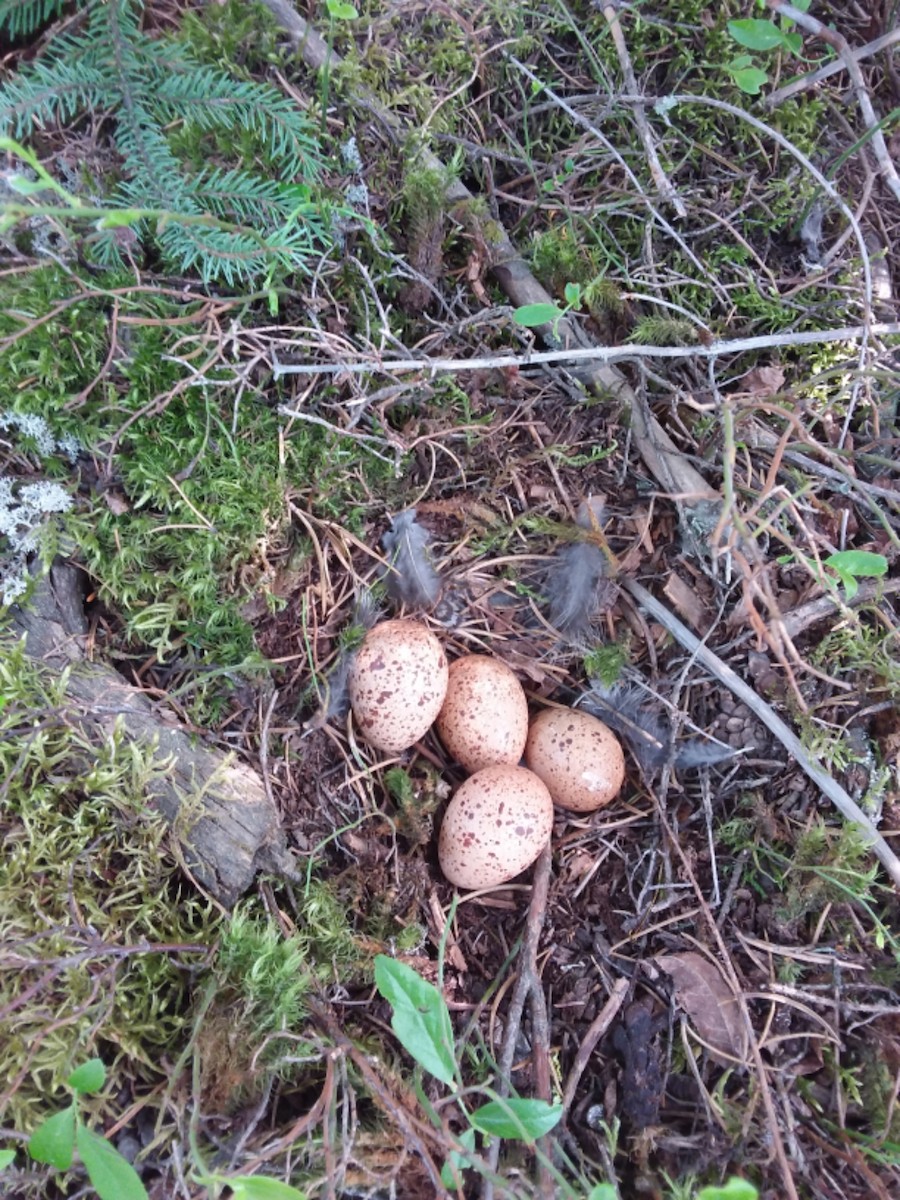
pixel 484 718
pixel 577 757
pixel 495 826
pixel 397 684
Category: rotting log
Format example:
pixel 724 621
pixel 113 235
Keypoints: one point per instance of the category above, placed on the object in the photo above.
pixel 223 822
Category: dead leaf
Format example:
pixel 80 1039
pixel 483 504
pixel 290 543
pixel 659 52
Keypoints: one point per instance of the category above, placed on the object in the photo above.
pixel 762 382
pixel 709 1002
pixel 687 602
pixel 116 503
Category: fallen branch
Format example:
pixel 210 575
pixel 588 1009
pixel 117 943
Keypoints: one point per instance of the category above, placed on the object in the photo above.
pixel 596 1031
pixel 663 183
pixel 847 807
pixel 587 354
pixel 223 824
pixel 528 983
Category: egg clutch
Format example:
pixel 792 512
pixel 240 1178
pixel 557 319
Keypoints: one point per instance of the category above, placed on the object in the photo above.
pixel 501 816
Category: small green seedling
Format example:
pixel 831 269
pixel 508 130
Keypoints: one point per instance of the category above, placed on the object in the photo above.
pixel 338 10
pixel 851 565
pixel 734 1189
pixel 532 315
pixel 421 1023
pixel 56 1139
pixel 848 567
pixel 762 36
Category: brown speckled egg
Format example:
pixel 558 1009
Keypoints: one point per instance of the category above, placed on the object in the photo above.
pixel 578 758
pixel 397 684
pixel 495 826
pixel 484 718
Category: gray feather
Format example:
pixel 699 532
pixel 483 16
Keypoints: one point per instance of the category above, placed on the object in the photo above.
pixel 649 736
pixel 411 580
pixel 571 587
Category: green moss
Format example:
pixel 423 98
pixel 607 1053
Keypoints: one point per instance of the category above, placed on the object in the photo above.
pixel 178 542
pixel 89 899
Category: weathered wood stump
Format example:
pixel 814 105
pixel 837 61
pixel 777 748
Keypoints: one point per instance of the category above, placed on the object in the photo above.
pixel 224 824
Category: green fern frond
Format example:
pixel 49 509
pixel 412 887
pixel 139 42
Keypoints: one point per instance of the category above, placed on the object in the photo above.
pixel 21 17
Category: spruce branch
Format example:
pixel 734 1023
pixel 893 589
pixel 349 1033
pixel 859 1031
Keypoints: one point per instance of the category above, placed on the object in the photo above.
pixel 18 18
pixel 228 223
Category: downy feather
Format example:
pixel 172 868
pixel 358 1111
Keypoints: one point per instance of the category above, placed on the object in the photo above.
pixel 571 587
pixel 411 580
pixel 649 735
pixel 335 698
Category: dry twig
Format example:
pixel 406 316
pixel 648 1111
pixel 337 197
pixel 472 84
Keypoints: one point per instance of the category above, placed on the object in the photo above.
pixel 663 183
pixel 847 807
pixel 841 46
pixel 807 81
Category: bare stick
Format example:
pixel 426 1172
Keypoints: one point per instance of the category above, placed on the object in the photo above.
pixel 840 44
pixel 663 183
pixel 597 1029
pixel 584 354
pixel 807 81
pixel 528 982
pixel 847 807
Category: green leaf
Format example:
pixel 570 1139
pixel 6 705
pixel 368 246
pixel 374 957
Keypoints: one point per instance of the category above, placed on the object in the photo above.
pixel 420 1019
pixel 862 563
pixel 793 42
pixel 734 1189
pixel 24 186
pixel 531 315
pixel 54 1140
pixel 6 1157
pixel 339 11
pixel 750 79
pixel 524 1119
pixel 112 1176
pixel 243 1187
pixel 457 1162
pixel 89 1077
pixel 756 34
pixel 602 1191
pixel 573 294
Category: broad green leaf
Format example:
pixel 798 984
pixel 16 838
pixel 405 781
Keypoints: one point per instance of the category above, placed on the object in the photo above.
pixel 793 42
pixel 89 1077
pixel 734 1189
pixel 851 587
pixel 113 1177
pixel 458 1162
pixel 531 315
pixel 862 563
pixel 262 1188
pixel 339 11
pixel 756 34
pixel 420 1019
pixel 750 79
pixel 602 1191
pixel 524 1119
pixel 6 1157
pixel 573 294
pixel 53 1141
